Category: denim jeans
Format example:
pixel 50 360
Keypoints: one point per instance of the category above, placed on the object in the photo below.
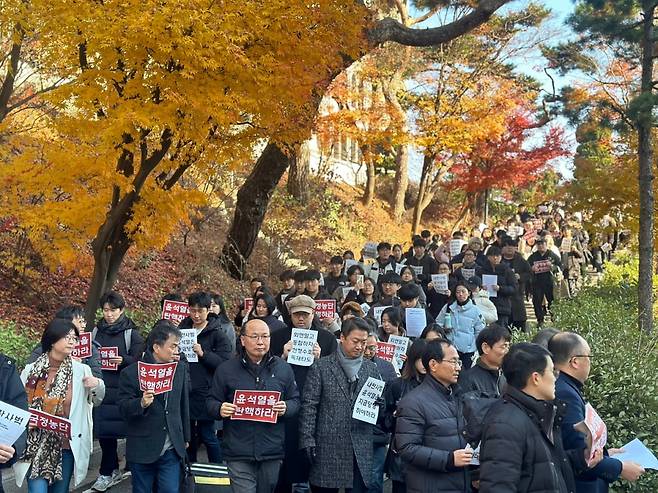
pixel 204 432
pixel 40 485
pixel 165 472
pixel 378 460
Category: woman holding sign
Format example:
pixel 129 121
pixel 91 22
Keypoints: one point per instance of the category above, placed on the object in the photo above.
pixel 62 392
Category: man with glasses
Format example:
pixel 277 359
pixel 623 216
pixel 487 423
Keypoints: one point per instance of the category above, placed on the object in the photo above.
pixel 521 448
pixel 253 450
pixel 427 432
pixel 485 377
pixel 573 357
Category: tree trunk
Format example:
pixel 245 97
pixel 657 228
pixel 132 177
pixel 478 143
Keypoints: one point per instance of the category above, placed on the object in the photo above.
pixel 401 181
pixel 421 201
pixel 369 193
pixel 253 198
pixel 298 175
pixel 645 175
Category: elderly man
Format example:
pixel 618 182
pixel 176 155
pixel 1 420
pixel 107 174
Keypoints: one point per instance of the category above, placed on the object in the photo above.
pixel 339 447
pixel 573 357
pixel 253 450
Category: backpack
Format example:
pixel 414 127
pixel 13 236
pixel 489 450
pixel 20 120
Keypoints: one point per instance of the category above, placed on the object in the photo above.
pixel 127 337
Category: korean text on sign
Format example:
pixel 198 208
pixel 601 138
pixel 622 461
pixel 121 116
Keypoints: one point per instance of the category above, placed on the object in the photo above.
pixel 401 345
pixel 256 405
pixel 595 429
pixel 248 304
pixel 48 422
pixel 82 349
pixel 325 309
pixel 175 311
pixel 186 344
pixel 385 351
pixel 366 407
pixel 156 377
pixel 13 422
pixel 108 353
pixel 541 266
pixel 303 341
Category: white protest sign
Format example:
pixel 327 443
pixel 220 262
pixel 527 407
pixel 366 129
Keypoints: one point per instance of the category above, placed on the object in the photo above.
pixel 415 321
pixel 467 273
pixel 401 345
pixel 455 247
pixel 636 451
pixel 440 282
pixel 475 460
pixel 365 307
pixel 365 408
pixel 346 291
pixel 321 279
pixel 370 250
pixel 186 344
pixel 377 313
pixel 565 246
pixel 13 422
pixel 303 341
pixel 488 281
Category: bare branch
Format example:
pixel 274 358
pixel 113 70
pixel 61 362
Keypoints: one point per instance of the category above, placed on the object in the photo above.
pixel 423 18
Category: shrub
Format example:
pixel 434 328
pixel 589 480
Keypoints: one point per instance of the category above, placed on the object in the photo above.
pixel 14 343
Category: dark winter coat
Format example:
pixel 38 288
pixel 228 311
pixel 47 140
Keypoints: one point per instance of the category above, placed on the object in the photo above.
pixel 506 282
pixel 249 440
pixel 426 434
pixel 429 265
pixel 519 266
pixel 147 429
pixel 108 422
pixel 12 392
pixel 93 362
pixel 326 423
pixel 387 371
pixel 544 279
pixel 216 349
pixel 487 382
pixel 595 480
pixel 226 327
pixel 521 449
pixel 332 283
pixel 272 322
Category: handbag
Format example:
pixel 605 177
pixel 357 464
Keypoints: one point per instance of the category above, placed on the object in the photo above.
pixel 188 485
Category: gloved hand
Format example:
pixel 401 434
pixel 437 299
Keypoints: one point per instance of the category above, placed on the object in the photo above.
pixel 310 454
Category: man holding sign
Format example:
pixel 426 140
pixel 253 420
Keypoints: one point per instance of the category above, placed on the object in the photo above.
pixel 158 426
pixel 573 357
pixel 254 445
pixel 543 264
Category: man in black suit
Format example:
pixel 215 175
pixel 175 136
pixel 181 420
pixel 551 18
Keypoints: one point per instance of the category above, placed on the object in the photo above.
pixel 158 427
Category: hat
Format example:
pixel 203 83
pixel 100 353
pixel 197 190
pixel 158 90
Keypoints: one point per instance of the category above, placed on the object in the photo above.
pixel 352 306
pixel 474 282
pixel 301 303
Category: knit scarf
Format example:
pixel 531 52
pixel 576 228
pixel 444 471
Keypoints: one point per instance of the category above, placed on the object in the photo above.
pixel 44 448
pixel 350 366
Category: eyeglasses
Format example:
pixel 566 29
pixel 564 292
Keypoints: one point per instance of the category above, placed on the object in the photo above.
pixel 71 337
pixel 256 337
pixel 457 363
pixel 372 349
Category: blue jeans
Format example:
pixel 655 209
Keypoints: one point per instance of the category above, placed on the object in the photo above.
pixel 204 432
pixel 165 472
pixel 378 460
pixel 40 485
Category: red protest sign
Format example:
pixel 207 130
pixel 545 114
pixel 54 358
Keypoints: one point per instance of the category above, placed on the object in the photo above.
pixel 49 422
pixel 385 351
pixel 325 309
pixel 156 377
pixel 175 311
pixel 248 304
pixel 595 430
pixel 82 349
pixel 107 353
pixel 530 236
pixel 256 405
pixel 541 266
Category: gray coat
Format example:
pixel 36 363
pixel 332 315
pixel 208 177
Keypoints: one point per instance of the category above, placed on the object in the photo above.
pixel 326 423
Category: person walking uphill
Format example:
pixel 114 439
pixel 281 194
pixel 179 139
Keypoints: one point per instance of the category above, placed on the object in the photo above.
pixel 254 450
pixel 13 393
pixel 115 329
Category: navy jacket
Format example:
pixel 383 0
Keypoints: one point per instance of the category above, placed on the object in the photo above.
pixel 12 392
pixel 594 480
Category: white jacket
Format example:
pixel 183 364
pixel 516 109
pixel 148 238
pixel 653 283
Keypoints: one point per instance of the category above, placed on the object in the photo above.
pixel 82 402
pixel 486 306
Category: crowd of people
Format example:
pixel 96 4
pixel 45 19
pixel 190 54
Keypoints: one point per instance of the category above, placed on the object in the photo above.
pixel 462 410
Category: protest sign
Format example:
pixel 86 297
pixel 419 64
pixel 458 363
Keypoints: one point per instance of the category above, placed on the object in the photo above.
pixel 565 246
pixel 175 311
pixel 455 247
pixel 156 377
pixel 186 344
pixel 415 321
pixel 82 349
pixel 346 290
pixel 530 236
pixel 321 279
pixel 377 313
pixel 541 266
pixel 385 351
pixel 595 430
pixel 303 341
pixel 488 281
pixel 248 304
pixel 636 451
pixel 401 345
pixel 365 307
pixel 365 407
pixel 475 459
pixel 418 269
pixel 440 282
pixel 370 250
pixel 467 273
pixel 48 422
pixel 13 421
pixel 360 278
pixel 325 309
pixel 256 405
pixel 106 354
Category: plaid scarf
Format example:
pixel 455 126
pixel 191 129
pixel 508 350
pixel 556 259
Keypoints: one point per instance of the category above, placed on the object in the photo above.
pixel 44 448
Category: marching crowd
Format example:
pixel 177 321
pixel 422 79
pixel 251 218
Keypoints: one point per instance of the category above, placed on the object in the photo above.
pixel 462 409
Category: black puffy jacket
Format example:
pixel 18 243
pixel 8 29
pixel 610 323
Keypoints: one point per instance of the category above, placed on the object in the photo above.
pixel 507 284
pixel 487 382
pixel 12 392
pixel 521 449
pixel 427 432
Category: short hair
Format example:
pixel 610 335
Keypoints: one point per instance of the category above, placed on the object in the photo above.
pixel 410 269
pixel 522 360
pixel 70 312
pixel 300 275
pixel 160 333
pixel 510 242
pixel 419 242
pixel 458 235
pixel 408 292
pixel 218 300
pixel 348 252
pixel 286 275
pixel 354 268
pixel 352 324
pixel 433 327
pixel 57 328
pixel 394 315
pixel 336 260
pixel 491 335
pixel 269 300
pixel 425 233
pixel 200 299
pixel 258 279
pixel 544 336
pixel 170 297
pixel 414 353
pixel 312 275
pixel 113 299
pixel 397 245
pixel 434 351
pixel 564 346
pixel 494 251
pixel 373 326
pixel 384 245
pixel 390 278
